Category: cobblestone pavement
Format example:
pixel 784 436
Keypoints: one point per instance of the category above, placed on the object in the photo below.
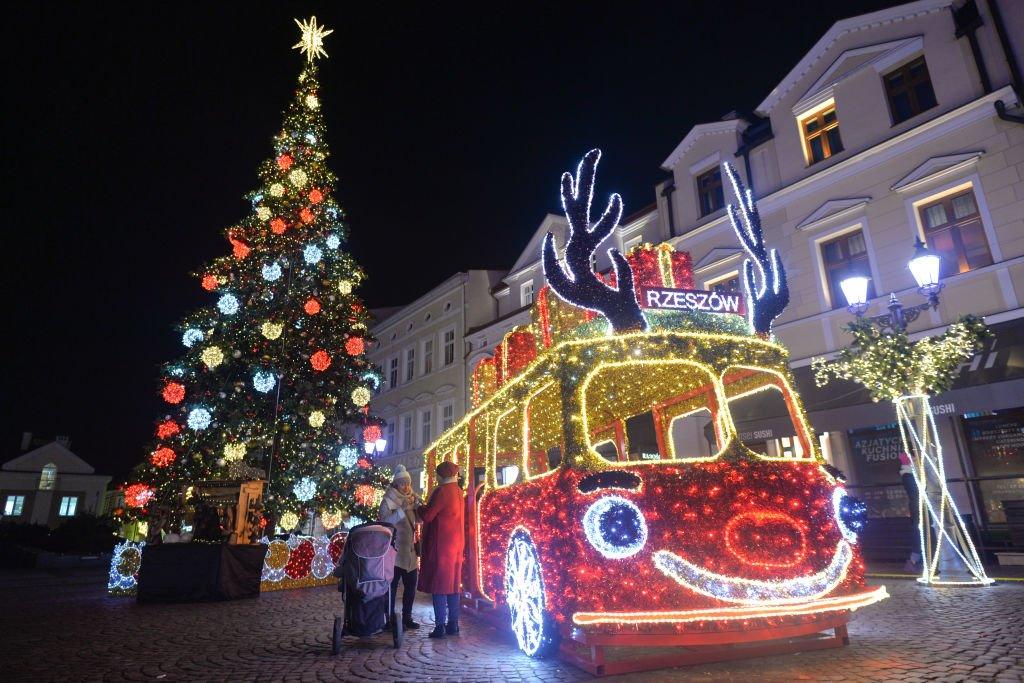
pixel 62 626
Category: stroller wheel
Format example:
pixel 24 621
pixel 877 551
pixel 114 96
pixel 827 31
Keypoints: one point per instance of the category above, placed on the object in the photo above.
pixel 339 630
pixel 397 633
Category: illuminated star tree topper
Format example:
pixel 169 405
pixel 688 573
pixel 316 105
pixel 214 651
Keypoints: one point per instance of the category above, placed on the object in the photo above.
pixel 312 43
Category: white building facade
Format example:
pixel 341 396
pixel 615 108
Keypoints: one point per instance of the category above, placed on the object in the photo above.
pixel 49 485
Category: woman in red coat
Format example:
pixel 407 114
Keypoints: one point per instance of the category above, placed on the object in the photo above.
pixel 443 540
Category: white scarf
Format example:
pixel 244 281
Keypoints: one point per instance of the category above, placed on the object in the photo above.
pixel 397 500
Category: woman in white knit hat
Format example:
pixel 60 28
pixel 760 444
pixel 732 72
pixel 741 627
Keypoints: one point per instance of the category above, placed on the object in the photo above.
pixel 398 508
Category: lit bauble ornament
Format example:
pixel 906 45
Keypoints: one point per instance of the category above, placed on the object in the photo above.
pixel 167 429
pixel 354 521
pixel 321 360
pixel 212 356
pixel 348 456
pixel 301 560
pixel 199 419
pixel 271 272
pixel 306 215
pixel 236 354
pixel 331 519
pixel 228 304
pixel 137 495
pixel 271 330
pixel 312 254
pixel 312 306
pixel 234 451
pixel 289 521
pixel 317 419
pixel 173 393
pixel 355 346
pixel 276 190
pixel 304 489
pixel 298 177
pixel 263 213
pixel 191 337
pixel 333 241
pixel 345 286
pixel 263 381
pixel 312 102
pixel 284 162
pixel 371 433
pixel 277 551
pixel 361 396
pixel 278 226
pixel 162 457
pixel 366 494
pixel 209 282
pixel 316 196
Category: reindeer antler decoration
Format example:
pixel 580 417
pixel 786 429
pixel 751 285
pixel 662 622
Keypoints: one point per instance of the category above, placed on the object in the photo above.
pixel 581 286
pixel 769 299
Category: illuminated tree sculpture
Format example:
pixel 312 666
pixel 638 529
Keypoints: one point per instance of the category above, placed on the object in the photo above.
pixel 274 375
pixel 893 368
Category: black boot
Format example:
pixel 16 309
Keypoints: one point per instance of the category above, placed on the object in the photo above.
pixel 408 623
pixel 438 632
pixel 452 629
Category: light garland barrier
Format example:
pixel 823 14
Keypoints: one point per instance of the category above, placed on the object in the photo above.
pixel 949 555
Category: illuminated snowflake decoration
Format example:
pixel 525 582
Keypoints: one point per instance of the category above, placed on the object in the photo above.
pixel 264 381
pixel 228 304
pixel 192 337
pixel 271 272
pixel 199 419
pixel 333 241
pixel 312 254
pixel 304 489
pixel 348 456
pixel 615 527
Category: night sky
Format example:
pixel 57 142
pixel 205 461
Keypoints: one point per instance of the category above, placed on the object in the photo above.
pixel 131 134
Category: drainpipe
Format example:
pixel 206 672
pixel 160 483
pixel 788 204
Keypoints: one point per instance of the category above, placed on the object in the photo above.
pixel 666 192
pixel 967 21
pixel 753 136
pixel 1004 41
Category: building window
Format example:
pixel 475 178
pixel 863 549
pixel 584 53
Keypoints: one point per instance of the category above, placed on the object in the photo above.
pixel 428 356
pixel 483 343
pixel 406 432
pixel 821 135
pixel 729 284
pixel 13 506
pixel 843 257
pixel 68 505
pixel 48 478
pixel 410 363
pixel 449 347
pixel 909 90
pixel 393 373
pixel 952 227
pixel 389 432
pixel 426 427
pixel 526 293
pixel 447 416
pixel 709 191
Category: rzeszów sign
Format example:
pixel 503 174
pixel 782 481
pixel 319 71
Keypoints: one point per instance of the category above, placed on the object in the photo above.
pixel 665 299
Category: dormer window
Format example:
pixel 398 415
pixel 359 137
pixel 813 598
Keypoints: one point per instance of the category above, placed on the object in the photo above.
pixel 709 191
pixel 909 90
pixel 820 133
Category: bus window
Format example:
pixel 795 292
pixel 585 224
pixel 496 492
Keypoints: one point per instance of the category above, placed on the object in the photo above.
pixel 764 418
pixel 554 457
pixel 642 437
pixel 607 450
pixel 509 474
pixel 692 435
pixel 508 447
pixel 544 429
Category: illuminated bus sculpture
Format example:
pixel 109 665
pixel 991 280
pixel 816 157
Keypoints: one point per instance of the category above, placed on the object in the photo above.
pixel 612 499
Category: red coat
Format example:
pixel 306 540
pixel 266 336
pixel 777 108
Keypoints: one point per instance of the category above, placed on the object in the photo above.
pixel 443 540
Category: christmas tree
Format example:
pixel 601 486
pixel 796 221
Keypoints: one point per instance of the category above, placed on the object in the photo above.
pixel 274 375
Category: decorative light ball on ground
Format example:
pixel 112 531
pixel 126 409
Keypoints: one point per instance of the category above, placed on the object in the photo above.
pixel 284 162
pixel 316 196
pixel 167 429
pixel 173 393
pixel 234 451
pixel 162 457
pixel 289 521
pixel 263 381
pixel 212 356
pixel 301 559
pixel 271 272
pixel 192 337
pixel 228 304
pixel 355 346
pixel 278 551
pixel 312 306
pixel 263 213
pixel 278 226
pixel 317 419
pixel 312 254
pixel 361 396
pixel 304 489
pixel 271 330
pixel 306 215
pixel 138 495
pixel 345 286
pixel 330 519
pixel 321 360
pixel 371 433
pixel 333 241
pixel 199 419
pixel 348 456
pixel 337 545
pixel 276 190
pixel 367 495
pixel 322 565
pixel 312 102
pixel 298 178
pixel 209 282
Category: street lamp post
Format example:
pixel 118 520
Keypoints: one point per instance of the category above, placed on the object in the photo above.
pixel 924 266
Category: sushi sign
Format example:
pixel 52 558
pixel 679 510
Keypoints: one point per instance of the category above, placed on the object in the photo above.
pixel 665 299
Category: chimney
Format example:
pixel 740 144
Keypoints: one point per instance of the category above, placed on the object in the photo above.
pixel 26 440
pixel 64 441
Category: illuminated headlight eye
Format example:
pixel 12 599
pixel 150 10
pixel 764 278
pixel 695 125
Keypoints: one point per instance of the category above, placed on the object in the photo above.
pixel 615 527
pixel 851 514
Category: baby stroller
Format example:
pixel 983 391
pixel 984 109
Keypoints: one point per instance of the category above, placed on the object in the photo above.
pixel 366 569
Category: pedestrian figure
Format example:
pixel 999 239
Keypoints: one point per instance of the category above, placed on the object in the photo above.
pixel 398 508
pixel 443 541
pixel 912 565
